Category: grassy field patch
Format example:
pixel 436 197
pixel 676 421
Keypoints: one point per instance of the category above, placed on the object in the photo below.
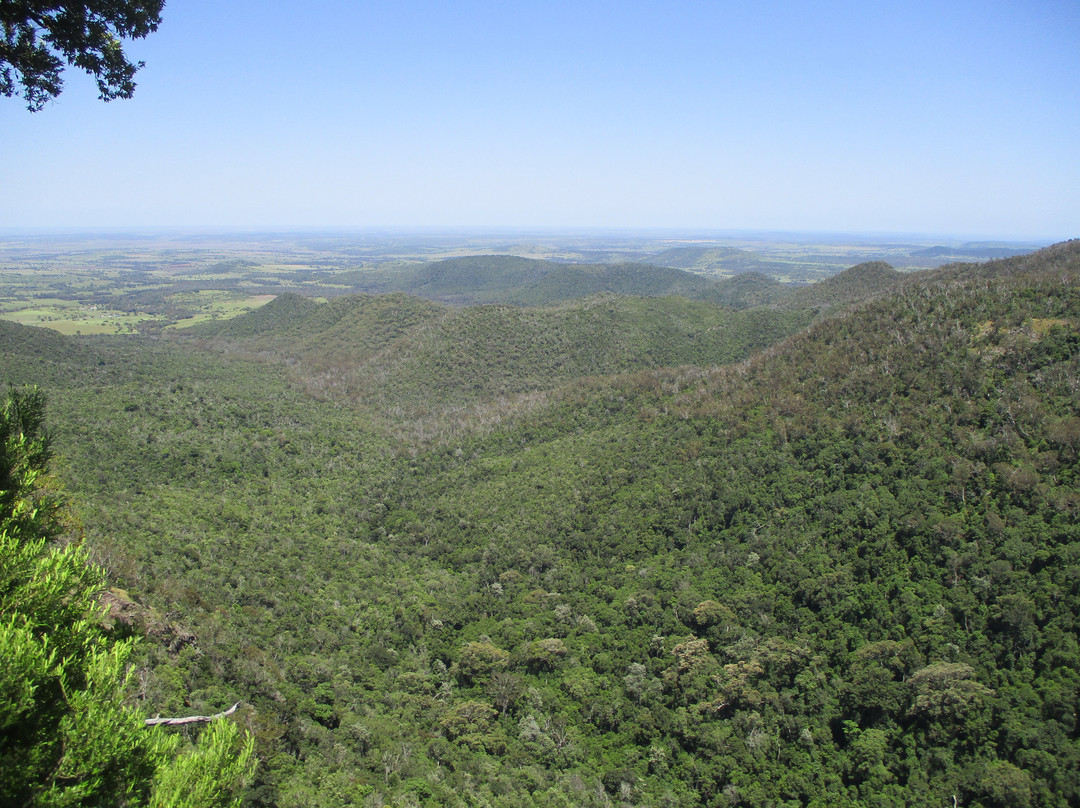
pixel 220 308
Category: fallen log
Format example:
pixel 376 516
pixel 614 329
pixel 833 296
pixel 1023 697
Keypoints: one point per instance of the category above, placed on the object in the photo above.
pixel 190 719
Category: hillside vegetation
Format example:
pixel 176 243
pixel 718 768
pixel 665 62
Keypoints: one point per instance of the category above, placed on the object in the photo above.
pixel 720 260
pixel 843 570
pixel 746 290
pixel 855 285
pixel 397 355
pixel 523 281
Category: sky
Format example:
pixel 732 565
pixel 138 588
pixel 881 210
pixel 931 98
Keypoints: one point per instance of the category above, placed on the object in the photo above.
pixel 950 117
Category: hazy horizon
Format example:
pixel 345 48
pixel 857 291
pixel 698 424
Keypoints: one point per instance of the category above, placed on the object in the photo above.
pixel 524 233
pixel 947 118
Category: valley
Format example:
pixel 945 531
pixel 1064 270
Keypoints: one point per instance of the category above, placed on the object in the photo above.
pixel 615 522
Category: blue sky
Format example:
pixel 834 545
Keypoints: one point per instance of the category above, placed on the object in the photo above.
pixel 952 117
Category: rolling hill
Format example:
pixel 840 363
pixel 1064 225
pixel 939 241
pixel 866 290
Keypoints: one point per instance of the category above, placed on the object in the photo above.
pixel 972 252
pixel 523 281
pixel 855 285
pixel 747 290
pixel 394 351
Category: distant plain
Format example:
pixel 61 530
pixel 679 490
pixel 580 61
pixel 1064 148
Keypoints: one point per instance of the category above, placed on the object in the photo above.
pixel 120 283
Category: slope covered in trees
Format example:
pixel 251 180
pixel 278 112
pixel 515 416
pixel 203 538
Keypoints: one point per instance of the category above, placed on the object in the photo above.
pixel 855 285
pixel 842 571
pixel 523 281
pixel 716 260
pixel 394 353
pixel 746 290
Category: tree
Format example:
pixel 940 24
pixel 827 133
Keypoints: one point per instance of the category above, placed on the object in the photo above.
pixel 27 505
pixel 39 37
pixel 479 660
pixel 67 737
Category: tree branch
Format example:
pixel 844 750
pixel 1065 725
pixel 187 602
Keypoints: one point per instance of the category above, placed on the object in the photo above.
pixel 191 719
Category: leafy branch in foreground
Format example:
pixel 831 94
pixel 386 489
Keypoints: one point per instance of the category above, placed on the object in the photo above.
pixel 39 38
pixel 66 735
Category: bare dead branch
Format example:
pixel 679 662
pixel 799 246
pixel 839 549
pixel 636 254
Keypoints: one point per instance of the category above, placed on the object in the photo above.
pixel 191 719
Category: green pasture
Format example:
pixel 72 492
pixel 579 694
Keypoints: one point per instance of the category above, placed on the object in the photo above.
pixel 74 317
pixel 68 317
pixel 215 305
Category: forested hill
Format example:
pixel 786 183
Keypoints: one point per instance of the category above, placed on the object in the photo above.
pixel 875 279
pixel 717 259
pixel 844 571
pixel 44 343
pixel 746 290
pixel 855 285
pixel 973 251
pixel 1040 264
pixel 530 282
pixel 400 353
pixel 524 281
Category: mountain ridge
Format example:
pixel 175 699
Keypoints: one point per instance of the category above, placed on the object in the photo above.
pixel 395 348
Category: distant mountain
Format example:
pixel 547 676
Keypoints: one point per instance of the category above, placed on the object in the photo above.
pixel 523 281
pixel 401 351
pixel 484 276
pixel 726 260
pixel 972 251
pixel 747 290
pixel 698 257
pixel 859 283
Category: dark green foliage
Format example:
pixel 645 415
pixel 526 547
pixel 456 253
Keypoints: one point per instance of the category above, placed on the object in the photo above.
pixel 278 317
pixel 39 39
pixel 41 343
pixel 842 571
pixel 525 281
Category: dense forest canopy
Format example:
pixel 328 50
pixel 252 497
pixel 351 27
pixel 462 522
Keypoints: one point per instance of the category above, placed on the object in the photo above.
pixel 823 554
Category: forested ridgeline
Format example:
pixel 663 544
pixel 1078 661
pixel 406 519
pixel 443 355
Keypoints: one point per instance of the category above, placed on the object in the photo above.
pixel 841 571
pixel 526 281
pixel 406 358
pixel 521 281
